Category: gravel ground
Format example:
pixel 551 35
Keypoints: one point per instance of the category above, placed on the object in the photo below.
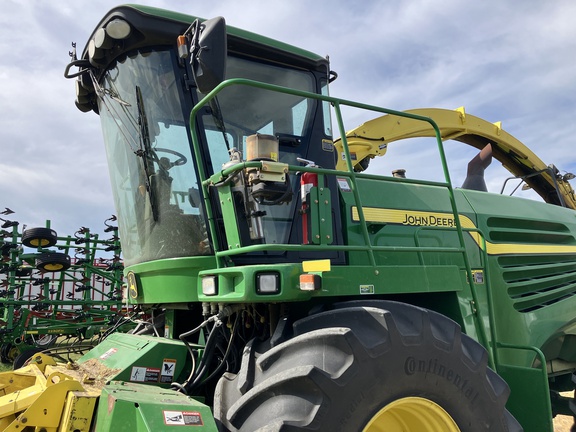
pixel 562 423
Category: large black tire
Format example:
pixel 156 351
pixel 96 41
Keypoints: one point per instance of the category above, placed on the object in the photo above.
pixel 39 237
pixel 8 352
pixel 53 262
pixel 24 271
pixel 400 367
pixel 24 356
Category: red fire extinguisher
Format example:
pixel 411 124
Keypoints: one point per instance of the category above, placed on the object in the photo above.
pixel 307 181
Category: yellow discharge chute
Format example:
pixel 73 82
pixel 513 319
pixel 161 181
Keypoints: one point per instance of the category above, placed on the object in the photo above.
pixel 371 139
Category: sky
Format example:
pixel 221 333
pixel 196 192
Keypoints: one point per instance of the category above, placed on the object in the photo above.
pixel 503 60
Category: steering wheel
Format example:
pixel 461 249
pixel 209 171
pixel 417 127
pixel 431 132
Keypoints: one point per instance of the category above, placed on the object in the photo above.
pixel 181 159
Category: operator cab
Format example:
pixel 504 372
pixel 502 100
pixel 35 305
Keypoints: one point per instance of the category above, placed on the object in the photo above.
pixel 144 86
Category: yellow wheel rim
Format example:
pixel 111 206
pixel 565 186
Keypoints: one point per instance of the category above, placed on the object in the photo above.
pixel 53 267
pixel 12 353
pixel 39 242
pixel 412 414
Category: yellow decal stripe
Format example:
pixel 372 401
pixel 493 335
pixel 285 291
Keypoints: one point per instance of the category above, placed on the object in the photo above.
pixel 503 248
pixel 436 219
pixel 410 217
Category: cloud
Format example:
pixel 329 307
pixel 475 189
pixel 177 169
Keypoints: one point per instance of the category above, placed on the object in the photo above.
pixel 503 62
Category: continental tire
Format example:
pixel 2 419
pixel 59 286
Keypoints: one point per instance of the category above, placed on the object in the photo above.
pixel 39 237
pixel 383 367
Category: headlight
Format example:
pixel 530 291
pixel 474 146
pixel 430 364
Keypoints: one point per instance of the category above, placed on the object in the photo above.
pixel 210 285
pixel 267 283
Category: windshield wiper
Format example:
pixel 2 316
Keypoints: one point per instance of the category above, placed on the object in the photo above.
pixel 145 151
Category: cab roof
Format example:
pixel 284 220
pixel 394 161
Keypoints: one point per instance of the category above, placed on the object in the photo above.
pixel 153 27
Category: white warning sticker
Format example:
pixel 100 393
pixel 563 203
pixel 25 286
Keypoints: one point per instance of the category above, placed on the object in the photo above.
pixel 183 418
pixel 174 418
pixel 109 353
pixel 138 374
pixel 168 368
pixel 343 184
pixel 144 374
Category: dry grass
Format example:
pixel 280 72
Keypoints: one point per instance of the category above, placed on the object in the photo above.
pixel 92 374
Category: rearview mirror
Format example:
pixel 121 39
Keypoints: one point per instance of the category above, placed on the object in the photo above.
pixel 208 53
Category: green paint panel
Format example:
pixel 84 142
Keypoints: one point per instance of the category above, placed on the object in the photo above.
pixel 238 284
pixel 141 359
pixel 169 280
pixel 393 280
pixel 249 36
pixel 230 218
pixel 321 216
pixel 136 407
pixel 529 400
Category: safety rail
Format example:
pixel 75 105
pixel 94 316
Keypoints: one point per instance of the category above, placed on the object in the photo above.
pixel 531 402
pixel 350 174
pixel 353 176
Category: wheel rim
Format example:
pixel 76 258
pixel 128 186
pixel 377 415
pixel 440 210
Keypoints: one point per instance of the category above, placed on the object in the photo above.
pixel 412 414
pixel 12 353
pixel 39 242
pixel 53 267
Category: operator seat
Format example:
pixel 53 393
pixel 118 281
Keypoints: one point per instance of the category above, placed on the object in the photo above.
pixel 475 173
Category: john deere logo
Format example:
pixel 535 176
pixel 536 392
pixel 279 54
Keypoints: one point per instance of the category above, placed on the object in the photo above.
pixel 132 285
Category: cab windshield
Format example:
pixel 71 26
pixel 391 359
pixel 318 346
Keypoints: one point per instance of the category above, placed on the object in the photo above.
pixel 241 113
pixel 144 110
pixel 148 147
